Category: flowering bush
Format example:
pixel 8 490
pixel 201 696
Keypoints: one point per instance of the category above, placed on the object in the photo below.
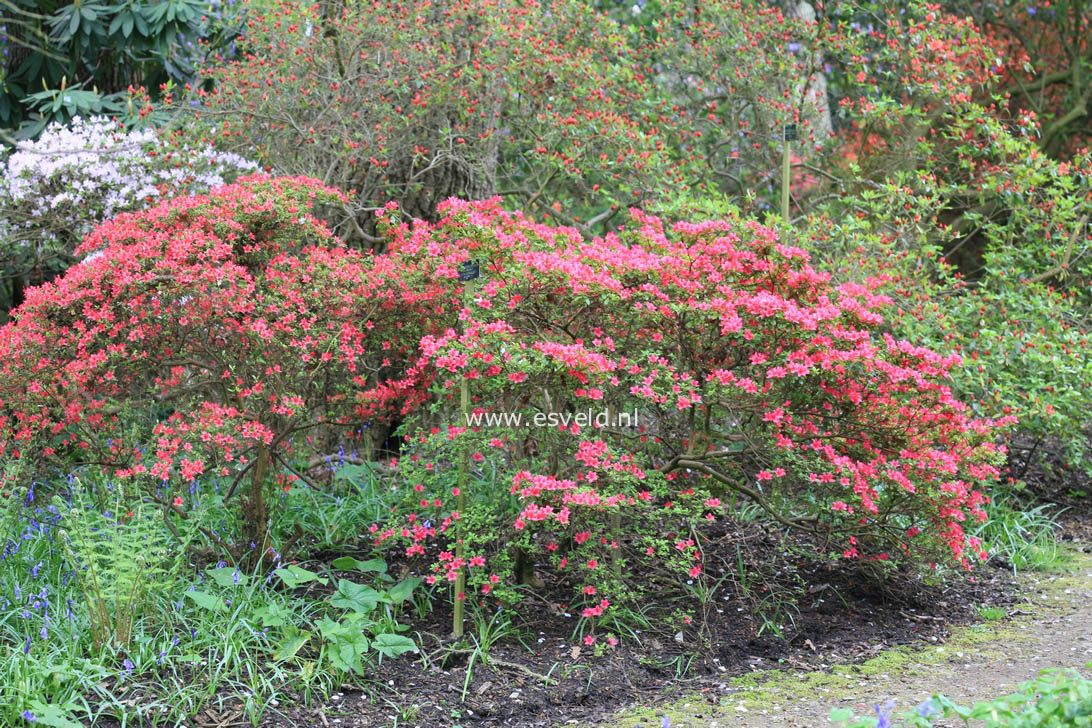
pixel 55 190
pixel 1040 49
pixel 212 335
pixel 986 245
pixel 746 377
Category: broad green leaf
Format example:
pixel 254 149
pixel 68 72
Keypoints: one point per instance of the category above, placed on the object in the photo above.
pixel 272 615
pixel 403 590
pixel 291 644
pixel 207 601
pixel 53 715
pixel 393 645
pixel 837 715
pixel 293 576
pixel 228 576
pixel 357 597
pixel 348 562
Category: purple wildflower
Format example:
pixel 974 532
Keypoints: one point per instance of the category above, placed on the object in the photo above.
pixel 884 714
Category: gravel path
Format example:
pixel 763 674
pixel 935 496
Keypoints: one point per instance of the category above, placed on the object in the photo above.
pixel 1052 627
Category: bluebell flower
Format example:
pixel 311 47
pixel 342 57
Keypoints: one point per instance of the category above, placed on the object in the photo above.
pixel 884 714
pixel 29 717
pixel 128 665
pixel 927 708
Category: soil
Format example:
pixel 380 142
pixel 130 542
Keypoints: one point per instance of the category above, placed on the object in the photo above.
pixel 1051 627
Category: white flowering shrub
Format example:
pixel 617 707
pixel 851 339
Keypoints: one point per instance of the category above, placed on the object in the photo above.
pixel 55 190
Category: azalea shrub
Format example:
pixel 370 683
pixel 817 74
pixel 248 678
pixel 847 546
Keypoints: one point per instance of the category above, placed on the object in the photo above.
pixel 1040 50
pixel 710 364
pixel 212 335
pixel 623 391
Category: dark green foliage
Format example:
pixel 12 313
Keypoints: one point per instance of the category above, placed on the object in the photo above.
pixel 60 60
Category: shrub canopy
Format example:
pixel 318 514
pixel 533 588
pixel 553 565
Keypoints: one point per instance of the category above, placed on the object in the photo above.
pixel 216 334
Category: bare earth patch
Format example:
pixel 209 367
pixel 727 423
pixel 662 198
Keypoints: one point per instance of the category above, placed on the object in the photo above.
pixel 1051 627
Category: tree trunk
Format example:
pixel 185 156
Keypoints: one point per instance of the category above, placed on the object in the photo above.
pixel 256 514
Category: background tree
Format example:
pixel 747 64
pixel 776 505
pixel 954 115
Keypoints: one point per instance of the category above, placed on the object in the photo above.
pixel 417 102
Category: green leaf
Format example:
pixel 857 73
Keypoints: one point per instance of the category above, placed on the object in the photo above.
pixel 53 715
pixel 347 643
pixel 155 13
pixel 348 562
pixel 393 645
pixel 207 601
pixel 357 597
pixel 840 715
pixel 141 24
pixel 294 640
pixel 272 615
pixel 403 590
pixel 293 576
pixel 228 576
